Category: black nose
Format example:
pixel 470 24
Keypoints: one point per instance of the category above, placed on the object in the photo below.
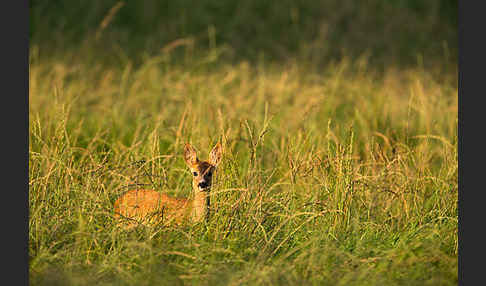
pixel 203 185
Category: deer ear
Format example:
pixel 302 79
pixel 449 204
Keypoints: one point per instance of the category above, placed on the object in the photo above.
pixel 190 155
pixel 215 155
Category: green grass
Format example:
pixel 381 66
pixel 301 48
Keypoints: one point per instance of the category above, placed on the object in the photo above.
pixel 403 32
pixel 340 163
pixel 331 178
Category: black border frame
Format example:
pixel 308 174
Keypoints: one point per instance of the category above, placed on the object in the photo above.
pixel 14 23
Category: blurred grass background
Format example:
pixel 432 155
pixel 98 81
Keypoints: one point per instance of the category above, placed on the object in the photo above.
pixel 391 32
pixel 339 121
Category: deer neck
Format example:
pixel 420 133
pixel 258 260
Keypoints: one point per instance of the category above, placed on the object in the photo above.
pixel 200 206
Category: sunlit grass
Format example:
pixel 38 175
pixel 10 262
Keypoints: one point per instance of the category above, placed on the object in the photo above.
pixel 330 177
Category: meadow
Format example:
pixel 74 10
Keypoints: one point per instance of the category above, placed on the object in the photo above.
pixel 340 170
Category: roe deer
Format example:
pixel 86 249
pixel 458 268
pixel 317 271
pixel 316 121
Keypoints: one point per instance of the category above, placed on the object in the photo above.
pixel 152 205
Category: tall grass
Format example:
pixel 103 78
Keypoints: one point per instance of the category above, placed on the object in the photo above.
pixel 331 176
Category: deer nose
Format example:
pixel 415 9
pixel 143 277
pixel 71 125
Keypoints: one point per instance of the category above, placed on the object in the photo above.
pixel 203 185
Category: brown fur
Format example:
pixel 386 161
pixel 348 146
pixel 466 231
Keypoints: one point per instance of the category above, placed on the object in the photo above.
pixel 150 205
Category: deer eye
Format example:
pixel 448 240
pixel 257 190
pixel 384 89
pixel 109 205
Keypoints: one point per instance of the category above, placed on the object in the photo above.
pixel 195 174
